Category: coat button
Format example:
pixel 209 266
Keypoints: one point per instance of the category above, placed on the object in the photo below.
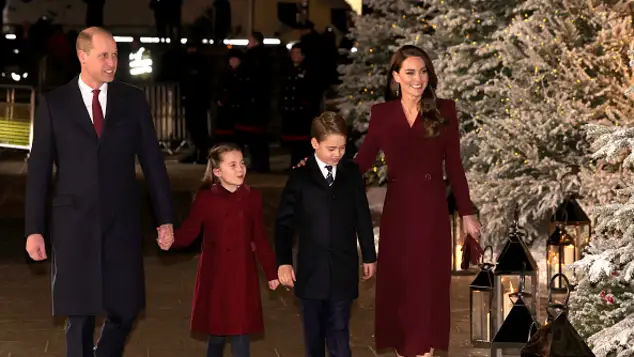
pixel 428 177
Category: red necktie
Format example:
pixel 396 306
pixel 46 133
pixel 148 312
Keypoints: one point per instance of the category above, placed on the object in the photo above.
pixel 97 113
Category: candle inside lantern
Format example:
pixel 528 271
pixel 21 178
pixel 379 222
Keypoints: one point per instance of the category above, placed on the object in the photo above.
pixel 569 254
pixel 458 255
pixel 557 264
pixel 488 326
pixel 507 305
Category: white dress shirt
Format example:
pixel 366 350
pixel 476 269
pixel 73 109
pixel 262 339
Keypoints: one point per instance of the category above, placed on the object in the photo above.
pixel 324 170
pixel 86 95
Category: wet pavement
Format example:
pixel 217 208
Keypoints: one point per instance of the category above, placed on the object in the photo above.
pixel 28 330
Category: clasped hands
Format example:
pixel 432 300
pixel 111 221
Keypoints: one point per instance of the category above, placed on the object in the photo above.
pixel 165 236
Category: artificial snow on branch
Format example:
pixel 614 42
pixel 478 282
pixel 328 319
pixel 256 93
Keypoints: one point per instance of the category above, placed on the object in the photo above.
pixel 602 305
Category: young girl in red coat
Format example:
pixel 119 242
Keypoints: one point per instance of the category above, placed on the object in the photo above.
pixel 227 291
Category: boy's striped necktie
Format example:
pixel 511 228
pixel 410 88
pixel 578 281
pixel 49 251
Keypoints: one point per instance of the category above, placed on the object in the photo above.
pixel 329 177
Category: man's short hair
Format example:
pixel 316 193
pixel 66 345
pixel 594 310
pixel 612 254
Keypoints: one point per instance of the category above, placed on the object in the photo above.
pixel 84 38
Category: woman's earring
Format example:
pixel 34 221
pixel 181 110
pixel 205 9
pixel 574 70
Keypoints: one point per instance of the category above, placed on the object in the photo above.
pixel 398 89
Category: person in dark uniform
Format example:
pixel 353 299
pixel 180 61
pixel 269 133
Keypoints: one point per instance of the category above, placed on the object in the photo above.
pixel 3 4
pixel 299 104
pixel 251 127
pixel 313 50
pixel 222 19
pixel 196 94
pixel 94 12
pixel 160 14
pixel 230 106
pixel 173 19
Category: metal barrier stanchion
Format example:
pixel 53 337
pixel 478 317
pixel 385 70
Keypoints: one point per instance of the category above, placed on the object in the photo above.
pixel 166 109
pixel 17 111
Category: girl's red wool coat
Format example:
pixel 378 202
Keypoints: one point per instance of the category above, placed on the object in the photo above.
pixel 227 290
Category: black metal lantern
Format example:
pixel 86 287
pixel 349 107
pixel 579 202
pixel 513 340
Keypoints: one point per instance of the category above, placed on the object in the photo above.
pixel 557 338
pixel 518 326
pixel 570 217
pixel 560 252
pixel 456 233
pixel 515 261
pixel 480 303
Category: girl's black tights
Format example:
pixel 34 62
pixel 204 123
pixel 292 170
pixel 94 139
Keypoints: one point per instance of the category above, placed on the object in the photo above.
pixel 240 345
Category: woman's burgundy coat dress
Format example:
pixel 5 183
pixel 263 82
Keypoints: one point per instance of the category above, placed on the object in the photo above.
pixel 414 262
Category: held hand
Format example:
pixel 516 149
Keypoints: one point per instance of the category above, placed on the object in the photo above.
pixel 368 270
pixel 286 275
pixel 165 236
pixel 273 284
pixel 35 247
pixel 471 226
pixel 301 163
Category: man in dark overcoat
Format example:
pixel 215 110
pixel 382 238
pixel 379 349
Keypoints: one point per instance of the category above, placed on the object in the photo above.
pixel 92 130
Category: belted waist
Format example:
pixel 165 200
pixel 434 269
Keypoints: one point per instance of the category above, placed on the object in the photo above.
pixel 424 177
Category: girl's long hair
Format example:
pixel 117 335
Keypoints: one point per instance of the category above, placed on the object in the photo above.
pixel 213 162
pixel 433 121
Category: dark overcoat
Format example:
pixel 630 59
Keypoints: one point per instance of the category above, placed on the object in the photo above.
pixel 328 221
pixel 95 231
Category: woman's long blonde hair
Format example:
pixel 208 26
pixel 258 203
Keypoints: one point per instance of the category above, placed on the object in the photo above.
pixel 428 107
pixel 214 159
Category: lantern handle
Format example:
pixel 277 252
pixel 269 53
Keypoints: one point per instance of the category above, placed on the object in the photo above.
pixel 515 231
pixel 516 213
pixel 564 214
pixel 550 291
pixel 530 329
pixel 484 252
pixel 574 171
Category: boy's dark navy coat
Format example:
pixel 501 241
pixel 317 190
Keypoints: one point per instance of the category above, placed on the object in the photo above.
pixel 327 220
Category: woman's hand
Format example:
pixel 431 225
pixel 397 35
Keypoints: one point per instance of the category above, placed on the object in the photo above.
pixel 301 163
pixel 273 284
pixel 471 226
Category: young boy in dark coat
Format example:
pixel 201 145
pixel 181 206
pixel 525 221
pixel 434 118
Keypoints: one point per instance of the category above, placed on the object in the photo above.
pixel 325 203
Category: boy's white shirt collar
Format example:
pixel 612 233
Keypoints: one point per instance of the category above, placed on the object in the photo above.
pixel 324 170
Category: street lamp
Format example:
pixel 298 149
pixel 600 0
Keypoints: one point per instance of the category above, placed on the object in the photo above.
pixel 514 264
pixel 480 302
pixel 560 252
pixel 518 325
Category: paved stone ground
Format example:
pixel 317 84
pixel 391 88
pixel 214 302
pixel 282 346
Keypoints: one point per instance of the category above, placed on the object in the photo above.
pixel 28 330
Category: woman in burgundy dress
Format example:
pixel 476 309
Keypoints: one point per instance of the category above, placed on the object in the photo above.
pixel 417 133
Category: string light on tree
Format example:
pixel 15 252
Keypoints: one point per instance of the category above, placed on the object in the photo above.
pixel 520 143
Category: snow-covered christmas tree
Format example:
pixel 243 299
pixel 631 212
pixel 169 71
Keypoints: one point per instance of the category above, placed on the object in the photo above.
pixel 390 24
pixel 602 305
pixel 463 33
pixel 554 82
